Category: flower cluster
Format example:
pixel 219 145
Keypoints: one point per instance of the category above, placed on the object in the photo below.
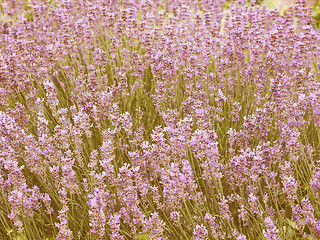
pixel 158 120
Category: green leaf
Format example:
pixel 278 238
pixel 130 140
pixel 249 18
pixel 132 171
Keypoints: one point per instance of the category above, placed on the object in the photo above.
pixel 310 238
pixel 22 237
pixel 292 224
pixel 143 236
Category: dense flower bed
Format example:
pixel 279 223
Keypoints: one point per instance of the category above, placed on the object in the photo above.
pixel 158 120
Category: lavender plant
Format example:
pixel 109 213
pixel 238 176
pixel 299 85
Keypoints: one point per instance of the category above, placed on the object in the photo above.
pixel 158 120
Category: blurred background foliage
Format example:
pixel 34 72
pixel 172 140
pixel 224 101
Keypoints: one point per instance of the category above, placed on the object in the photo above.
pixel 273 3
pixel 27 9
pixel 316 15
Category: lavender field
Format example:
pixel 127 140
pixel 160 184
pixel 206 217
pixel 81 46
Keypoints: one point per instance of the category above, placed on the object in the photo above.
pixel 158 119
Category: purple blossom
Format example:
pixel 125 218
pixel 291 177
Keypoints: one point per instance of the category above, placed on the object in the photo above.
pixel 174 119
pixel 200 232
pixel 271 232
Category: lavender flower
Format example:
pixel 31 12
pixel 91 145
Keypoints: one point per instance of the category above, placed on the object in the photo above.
pixel 271 231
pixel 173 119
